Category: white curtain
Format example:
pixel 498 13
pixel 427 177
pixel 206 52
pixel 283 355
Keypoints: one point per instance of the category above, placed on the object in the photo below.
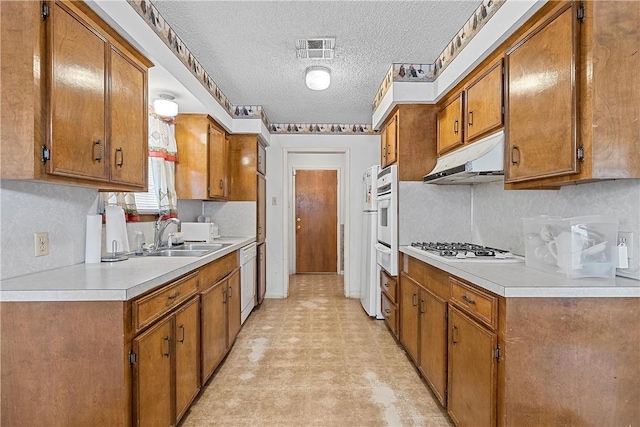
pixel 163 152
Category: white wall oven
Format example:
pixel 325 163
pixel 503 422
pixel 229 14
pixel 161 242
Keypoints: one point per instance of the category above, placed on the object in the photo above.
pixel 387 246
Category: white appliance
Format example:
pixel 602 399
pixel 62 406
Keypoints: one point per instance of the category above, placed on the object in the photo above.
pixel 370 289
pixel 200 231
pixel 387 245
pixel 248 280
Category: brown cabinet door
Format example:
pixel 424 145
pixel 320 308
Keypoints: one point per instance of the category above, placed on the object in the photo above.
pixel 409 300
pixel 192 174
pixel 433 342
pixel 392 140
pixel 483 99
pixel 234 306
pixel 541 103
pixel 214 327
pixel 383 148
pixel 128 109
pixel 77 97
pixel 187 338
pixel 389 313
pixel 450 126
pixel 472 372
pixel 262 272
pixel 262 159
pixel 261 232
pixel 153 405
pixel 217 163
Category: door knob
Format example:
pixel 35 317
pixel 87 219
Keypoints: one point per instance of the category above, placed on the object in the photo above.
pixel 298 219
pixel 298 227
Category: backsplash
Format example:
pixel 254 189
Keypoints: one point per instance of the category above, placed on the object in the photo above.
pixel 233 218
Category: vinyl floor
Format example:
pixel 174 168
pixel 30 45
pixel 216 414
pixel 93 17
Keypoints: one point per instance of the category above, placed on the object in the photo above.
pixel 315 359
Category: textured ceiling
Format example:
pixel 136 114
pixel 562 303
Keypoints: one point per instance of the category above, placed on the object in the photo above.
pixel 248 48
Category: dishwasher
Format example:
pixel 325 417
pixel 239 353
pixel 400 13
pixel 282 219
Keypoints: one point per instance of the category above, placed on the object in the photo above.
pixel 248 279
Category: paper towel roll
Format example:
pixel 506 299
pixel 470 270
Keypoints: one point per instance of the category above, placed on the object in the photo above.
pixel 116 230
pixel 93 241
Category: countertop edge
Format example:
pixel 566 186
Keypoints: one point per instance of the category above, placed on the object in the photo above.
pixel 559 286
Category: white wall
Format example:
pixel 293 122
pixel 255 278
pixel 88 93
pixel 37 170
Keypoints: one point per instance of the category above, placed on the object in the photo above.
pixel 362 152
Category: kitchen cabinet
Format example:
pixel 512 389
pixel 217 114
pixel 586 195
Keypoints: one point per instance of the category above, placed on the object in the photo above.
pixel 262 158
pixel 187 354
pixel 450 126
pixel 199 137
pixel 408 139
pixel 220 311
pixel 261 231
pixel 574 71
pixel 262 273
pixel 409 315
pixel 389 302
pixel 82 118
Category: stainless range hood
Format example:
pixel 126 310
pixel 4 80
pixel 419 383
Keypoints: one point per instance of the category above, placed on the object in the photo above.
pixel 480 161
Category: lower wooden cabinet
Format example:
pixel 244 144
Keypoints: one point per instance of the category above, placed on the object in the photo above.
pixel 262 272
pixel 234 307
pixel 390 314
pixel 432 359
pixel 187 345
pixel 472 371
pixel 409 312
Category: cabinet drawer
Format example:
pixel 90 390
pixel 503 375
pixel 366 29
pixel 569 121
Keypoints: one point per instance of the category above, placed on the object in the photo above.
pixel 388 286
pixel 216 270
pixel 480 305
pixel 390 311
pixel 151 307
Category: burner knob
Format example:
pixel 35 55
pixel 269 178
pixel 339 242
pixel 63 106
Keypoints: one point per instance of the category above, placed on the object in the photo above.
pixel 461 255
pixel 470 255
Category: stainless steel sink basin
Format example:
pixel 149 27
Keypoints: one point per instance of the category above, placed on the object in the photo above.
pixel 180 252
pixel 204 246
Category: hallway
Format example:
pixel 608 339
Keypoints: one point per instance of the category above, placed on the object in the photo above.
pixel 315 359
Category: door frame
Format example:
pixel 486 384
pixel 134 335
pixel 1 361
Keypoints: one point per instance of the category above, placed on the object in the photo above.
pixel 293 269
pixel 289 217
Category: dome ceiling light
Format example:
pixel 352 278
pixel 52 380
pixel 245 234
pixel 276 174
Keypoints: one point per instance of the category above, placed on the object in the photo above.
pixel 318 78
pixel 165 105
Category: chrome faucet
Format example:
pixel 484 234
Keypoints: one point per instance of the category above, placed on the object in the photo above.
pixel 160 227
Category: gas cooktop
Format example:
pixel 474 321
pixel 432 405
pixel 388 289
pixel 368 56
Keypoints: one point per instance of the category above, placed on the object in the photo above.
pixel 464 252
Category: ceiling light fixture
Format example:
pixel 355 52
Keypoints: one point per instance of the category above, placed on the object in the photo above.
pixel 165 106
pixel 318 78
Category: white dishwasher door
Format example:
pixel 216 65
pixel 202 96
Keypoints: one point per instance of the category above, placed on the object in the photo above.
pixel 248 279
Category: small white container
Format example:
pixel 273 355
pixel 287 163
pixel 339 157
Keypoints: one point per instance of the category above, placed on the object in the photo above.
pixel 582 246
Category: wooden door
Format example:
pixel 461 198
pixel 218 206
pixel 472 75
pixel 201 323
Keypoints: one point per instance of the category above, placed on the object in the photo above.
pixel 450 126
pixel 153 402
pixel 472 372
pixel 217 163
pixel 234 306
pixel 261 232
pixel 77 97
pixel 483 99
pixel 262 272
pixel 433 342
pixel 214 327
pixel 129 117
pixel 316 221
pixel 409 291
pixel 391 133
pixel 541 103
pixel 187 338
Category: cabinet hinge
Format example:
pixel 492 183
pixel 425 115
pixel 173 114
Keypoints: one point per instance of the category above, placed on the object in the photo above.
pixel 446 393
pixel 580 13
pixel 497 353
pixel 581 153
pixel 446 315
pixel 46 154
pixel 44 11
pixel 133 359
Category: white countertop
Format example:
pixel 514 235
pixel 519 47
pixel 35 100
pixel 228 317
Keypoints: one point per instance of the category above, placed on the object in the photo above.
pixel 118 281
pixel 517 280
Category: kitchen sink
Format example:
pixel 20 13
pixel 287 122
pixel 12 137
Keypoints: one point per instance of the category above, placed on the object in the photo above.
pixel 180 252
pixel 203 246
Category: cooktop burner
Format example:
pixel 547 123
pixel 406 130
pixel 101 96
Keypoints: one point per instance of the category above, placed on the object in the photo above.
pixel 463 251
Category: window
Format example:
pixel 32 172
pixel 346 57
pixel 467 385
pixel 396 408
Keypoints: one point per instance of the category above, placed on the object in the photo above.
pixel 147 203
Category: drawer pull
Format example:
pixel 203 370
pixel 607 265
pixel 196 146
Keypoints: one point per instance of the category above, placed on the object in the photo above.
pixel 515 150
pixel 386 310
pixel 175 295
pixel 167 339
pixel 454 333
pixel 414 300
pixel 181 340
pixel 470 118
pixel 455 126
pixel 386 285
pixel 468 300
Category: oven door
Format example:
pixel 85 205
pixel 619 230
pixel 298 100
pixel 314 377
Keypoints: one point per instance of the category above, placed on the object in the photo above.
pixel 387 246
pixel 387 258
pixel 385 220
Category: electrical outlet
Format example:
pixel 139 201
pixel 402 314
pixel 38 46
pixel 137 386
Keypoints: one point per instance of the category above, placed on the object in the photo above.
pixel 41 243
pixel 274 201
pixel 627 237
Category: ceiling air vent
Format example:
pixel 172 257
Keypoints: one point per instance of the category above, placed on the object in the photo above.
pixel 315 48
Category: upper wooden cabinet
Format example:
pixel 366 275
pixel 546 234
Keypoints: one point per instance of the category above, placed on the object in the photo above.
pixel 261 230
pixel 82 116
pixel 408 139
pixel 572 96
pixel 474 112
pixel 201 169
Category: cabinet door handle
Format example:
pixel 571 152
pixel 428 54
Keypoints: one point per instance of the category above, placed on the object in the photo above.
pixel 470 118
pixel 99 144
pixel 422 310
pixel 221 183
pixel 229 293
pixel 455 126
pixel 468 300
pixel 515 150
pixel 181 340
pixel 386 310
pixel 259 160
pixel 120 162
pixel 224 297
pixel 454 333
pixel 168 352
pixel 260 230
pixel 174 295
pixel 414 300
